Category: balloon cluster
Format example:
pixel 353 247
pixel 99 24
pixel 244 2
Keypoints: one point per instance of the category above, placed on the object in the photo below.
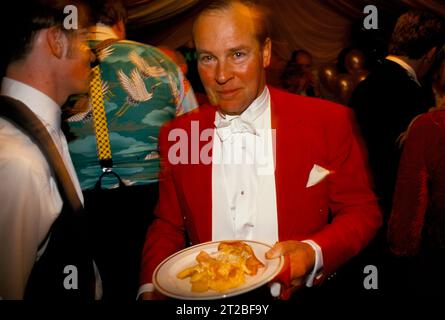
pixel 341 83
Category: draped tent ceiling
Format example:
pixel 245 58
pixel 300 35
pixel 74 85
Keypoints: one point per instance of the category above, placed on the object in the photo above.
pixel 322 27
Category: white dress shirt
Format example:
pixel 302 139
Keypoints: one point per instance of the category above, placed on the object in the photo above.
pixel 244 204
pixel 30 200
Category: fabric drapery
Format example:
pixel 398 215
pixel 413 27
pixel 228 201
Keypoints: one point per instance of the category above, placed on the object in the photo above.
pixel 319 26
pixel 322 27
pixel 146 12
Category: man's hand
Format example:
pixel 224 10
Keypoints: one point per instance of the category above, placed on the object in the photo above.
pixel 301 259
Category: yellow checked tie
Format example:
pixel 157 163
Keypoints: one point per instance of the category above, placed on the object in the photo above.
pixel 99 117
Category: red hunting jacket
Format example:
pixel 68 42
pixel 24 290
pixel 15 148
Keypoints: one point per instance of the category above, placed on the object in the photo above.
pixel 340 213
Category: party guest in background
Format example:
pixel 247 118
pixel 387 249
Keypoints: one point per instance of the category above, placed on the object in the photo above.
pixel 311 199
pixel 417 222
pixel 298 76
pixel 392 95
pixel 46 64
pixel 142 89
pixel 419 200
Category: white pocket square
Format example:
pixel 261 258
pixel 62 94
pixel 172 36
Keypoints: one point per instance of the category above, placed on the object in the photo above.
pixel 316 175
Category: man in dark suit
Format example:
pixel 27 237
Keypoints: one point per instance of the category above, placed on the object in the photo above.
pixel 392 95
pixel 311 199
pixel 385 103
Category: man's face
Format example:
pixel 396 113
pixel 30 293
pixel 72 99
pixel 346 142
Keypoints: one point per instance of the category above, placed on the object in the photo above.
pixel 231 61
pixel 303 62
pixel 76 60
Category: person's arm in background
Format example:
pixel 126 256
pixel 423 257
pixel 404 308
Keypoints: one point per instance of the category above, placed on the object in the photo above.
pixel 411 196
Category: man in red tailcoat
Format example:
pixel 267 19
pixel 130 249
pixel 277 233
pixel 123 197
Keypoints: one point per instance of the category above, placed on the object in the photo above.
pixel 307 192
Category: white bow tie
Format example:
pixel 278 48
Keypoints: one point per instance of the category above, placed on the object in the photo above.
pixel 225 128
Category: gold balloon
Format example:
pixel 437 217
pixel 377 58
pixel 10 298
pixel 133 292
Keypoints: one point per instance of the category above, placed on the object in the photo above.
pixel 359 76
pixel 344 87
pixel 328 75
pixel 354 61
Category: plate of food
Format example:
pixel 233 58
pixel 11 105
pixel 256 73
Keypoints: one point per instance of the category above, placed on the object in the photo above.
pixel 215 270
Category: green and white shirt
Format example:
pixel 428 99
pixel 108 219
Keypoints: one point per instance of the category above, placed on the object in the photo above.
pixel 142 89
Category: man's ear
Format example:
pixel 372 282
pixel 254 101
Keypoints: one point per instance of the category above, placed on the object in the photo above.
pixel 267 52
pixel 54 37
pixel 119 29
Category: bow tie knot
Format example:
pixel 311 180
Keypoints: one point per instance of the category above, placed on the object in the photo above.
pixel 226 127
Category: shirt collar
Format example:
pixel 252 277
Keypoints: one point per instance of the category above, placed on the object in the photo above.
pixel 39 103
pixel 101 32
pixel 404 65
pixel 254 110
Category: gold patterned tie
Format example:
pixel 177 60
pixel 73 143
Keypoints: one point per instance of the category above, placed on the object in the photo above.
pixel 99 117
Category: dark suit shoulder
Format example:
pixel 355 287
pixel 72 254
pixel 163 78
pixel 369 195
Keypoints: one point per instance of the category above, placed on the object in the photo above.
pixel 388 84
pixel 388 71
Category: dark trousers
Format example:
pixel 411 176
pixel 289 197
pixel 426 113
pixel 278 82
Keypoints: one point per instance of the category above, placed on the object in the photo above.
pixel 119 219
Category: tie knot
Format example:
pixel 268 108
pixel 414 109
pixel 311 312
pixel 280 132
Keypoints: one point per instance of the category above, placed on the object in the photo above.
pixel 226 127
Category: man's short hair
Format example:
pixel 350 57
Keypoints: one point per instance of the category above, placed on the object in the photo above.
pixel 417 32
pixel 21 23
pixel 109 12
pixel 262 24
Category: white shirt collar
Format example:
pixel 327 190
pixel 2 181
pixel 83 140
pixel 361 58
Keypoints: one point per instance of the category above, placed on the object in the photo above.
pixel 404 65
pixel 39 103
pixel 254 111
pixel 101 32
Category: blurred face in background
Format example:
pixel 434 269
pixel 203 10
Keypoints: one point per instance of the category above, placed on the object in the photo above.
pixel 303 62
pixel 231 60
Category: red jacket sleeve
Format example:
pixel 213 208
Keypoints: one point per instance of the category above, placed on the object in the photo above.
pixel 166 234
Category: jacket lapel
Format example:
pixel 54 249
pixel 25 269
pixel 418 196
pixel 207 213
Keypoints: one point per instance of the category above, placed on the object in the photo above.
pixel 293 161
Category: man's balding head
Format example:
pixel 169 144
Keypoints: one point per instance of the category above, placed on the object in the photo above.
pixel 252 9
pixel 233 52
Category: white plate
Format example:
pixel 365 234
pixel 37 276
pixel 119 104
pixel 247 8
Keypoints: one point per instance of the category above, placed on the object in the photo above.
pixel 166 282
